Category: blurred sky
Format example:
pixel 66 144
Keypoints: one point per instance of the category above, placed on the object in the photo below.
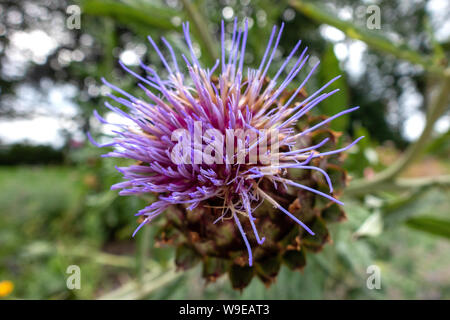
pixel 54 110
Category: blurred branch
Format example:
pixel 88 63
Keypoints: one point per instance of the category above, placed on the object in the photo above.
pixel 142 255
pixel 149 15
pixel 134 290
pixel 432 225
pixel 44 248
pixel 400 184
pixel 438 181
pixel 438 106
pixel 98 257
pixel 373 39
pixel 201 27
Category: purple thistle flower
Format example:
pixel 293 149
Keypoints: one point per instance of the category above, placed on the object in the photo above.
pixel 197 102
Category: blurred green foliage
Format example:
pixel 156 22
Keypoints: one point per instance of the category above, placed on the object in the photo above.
pixel 55 216
pixel 54 219
pixel 19 153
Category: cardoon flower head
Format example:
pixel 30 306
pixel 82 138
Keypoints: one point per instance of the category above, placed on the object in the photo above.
pixel 215 144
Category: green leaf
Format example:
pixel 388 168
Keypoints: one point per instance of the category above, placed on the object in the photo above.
pixel 404 209
pixel 145 14
pixel 416 204
pixel 372 227
pixel 339 101
pixel 436 226
pixel 440 146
